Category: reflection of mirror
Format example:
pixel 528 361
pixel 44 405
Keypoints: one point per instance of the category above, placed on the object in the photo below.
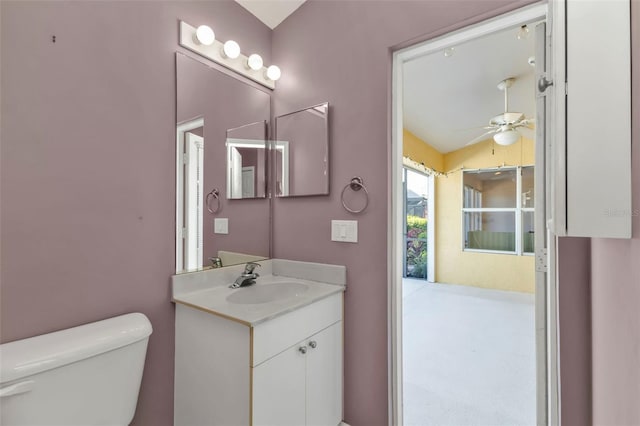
pixel 208 103
pixel 281 178
pixel 247 161
pixel 304 169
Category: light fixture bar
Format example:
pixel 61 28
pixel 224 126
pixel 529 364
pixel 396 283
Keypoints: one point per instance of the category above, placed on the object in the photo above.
pixel 214 52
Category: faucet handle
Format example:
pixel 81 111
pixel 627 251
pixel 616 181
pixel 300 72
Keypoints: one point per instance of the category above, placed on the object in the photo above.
pixel 250 266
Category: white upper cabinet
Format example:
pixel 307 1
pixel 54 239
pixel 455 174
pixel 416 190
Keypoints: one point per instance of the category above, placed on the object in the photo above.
pixel 590 118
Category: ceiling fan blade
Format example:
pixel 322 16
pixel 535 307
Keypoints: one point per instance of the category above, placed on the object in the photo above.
pixel 466 129
pixel 528 122
pixel 481 137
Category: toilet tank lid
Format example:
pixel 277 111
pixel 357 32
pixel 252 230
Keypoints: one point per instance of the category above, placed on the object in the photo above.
pixel 23 358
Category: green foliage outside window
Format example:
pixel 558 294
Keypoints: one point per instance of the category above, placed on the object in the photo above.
pixel 416 249
pixel 416 227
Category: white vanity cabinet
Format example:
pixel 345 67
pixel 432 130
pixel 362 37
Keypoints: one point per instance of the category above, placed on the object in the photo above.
pixel 301 385
pixel 286 370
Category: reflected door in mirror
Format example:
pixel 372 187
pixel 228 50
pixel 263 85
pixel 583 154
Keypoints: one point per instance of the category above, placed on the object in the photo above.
pixel 190 191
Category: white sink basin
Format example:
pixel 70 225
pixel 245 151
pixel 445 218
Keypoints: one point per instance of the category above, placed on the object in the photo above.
pixel 265 293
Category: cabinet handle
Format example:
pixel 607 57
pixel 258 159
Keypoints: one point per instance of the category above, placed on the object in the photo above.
pixel 313 344
pixel 303 349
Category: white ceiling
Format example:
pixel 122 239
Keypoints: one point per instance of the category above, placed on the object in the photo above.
pixel 447 100
pixel 271 12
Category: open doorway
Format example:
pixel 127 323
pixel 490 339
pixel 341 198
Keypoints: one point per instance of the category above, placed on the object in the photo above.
pixel 471 346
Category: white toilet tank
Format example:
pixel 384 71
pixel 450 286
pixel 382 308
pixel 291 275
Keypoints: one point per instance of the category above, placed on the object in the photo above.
pixel 81 376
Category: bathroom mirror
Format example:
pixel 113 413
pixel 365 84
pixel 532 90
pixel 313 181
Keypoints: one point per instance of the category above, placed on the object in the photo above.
pixel 247 161
pixel 301 152
pixel 212 228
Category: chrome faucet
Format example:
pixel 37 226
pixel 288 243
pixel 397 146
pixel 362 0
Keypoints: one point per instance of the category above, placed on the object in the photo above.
pixel 216 262
pixel 247 277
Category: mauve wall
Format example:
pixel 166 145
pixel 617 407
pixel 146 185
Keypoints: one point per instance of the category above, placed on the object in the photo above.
pixel 88 166
pixel 616 292
pixel 574 317
pixel 340 52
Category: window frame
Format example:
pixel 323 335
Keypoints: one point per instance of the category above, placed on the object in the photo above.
pixel 517 211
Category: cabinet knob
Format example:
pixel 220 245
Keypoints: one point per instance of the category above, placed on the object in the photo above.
pixel 313 344
pixel 303 349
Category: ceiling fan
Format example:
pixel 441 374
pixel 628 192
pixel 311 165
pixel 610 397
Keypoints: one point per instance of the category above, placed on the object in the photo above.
pixel 503 126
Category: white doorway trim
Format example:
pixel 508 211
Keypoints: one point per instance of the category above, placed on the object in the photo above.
pixel 395 233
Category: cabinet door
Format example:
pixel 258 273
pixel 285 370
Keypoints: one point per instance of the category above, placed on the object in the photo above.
pixel 591 74
pixel 279 390
pixel 324 377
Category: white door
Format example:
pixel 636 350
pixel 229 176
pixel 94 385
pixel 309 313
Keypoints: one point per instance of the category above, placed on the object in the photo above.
pixel 279 390
pixel 546 390
pixel 324 377
pixel 236 173
pixel 248 182
pixel 193 200
pixel 591 131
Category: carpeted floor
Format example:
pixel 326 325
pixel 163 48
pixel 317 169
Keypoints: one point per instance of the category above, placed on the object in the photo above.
pixel 468 356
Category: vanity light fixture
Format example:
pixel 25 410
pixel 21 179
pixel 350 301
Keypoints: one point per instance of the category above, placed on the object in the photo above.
pixel 273 73
pixel 255 62
pixel 202 41
pixel 231 49
pixel 205 35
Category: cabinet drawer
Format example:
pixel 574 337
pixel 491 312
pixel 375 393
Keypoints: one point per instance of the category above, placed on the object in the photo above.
pixel 276 335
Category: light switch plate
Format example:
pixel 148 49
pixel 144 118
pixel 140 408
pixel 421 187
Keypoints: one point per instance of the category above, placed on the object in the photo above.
pixel 345 231
pixel 221 225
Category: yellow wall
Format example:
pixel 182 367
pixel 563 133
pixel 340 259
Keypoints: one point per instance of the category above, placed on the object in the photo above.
pixel 453 265
pixel 421 152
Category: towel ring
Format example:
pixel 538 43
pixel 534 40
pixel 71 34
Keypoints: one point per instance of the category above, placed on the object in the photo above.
pixel 356 184
pixel 214 194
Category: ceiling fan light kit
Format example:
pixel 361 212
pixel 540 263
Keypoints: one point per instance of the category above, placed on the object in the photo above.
pixel 503 126
pixel 507 137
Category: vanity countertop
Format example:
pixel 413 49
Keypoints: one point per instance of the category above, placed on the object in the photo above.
pixel 212 296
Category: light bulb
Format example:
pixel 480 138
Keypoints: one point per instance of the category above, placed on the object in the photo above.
pixel 508 137
pixel 255 62
pixel 273 73
pixel 205 35
pixel 231 49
